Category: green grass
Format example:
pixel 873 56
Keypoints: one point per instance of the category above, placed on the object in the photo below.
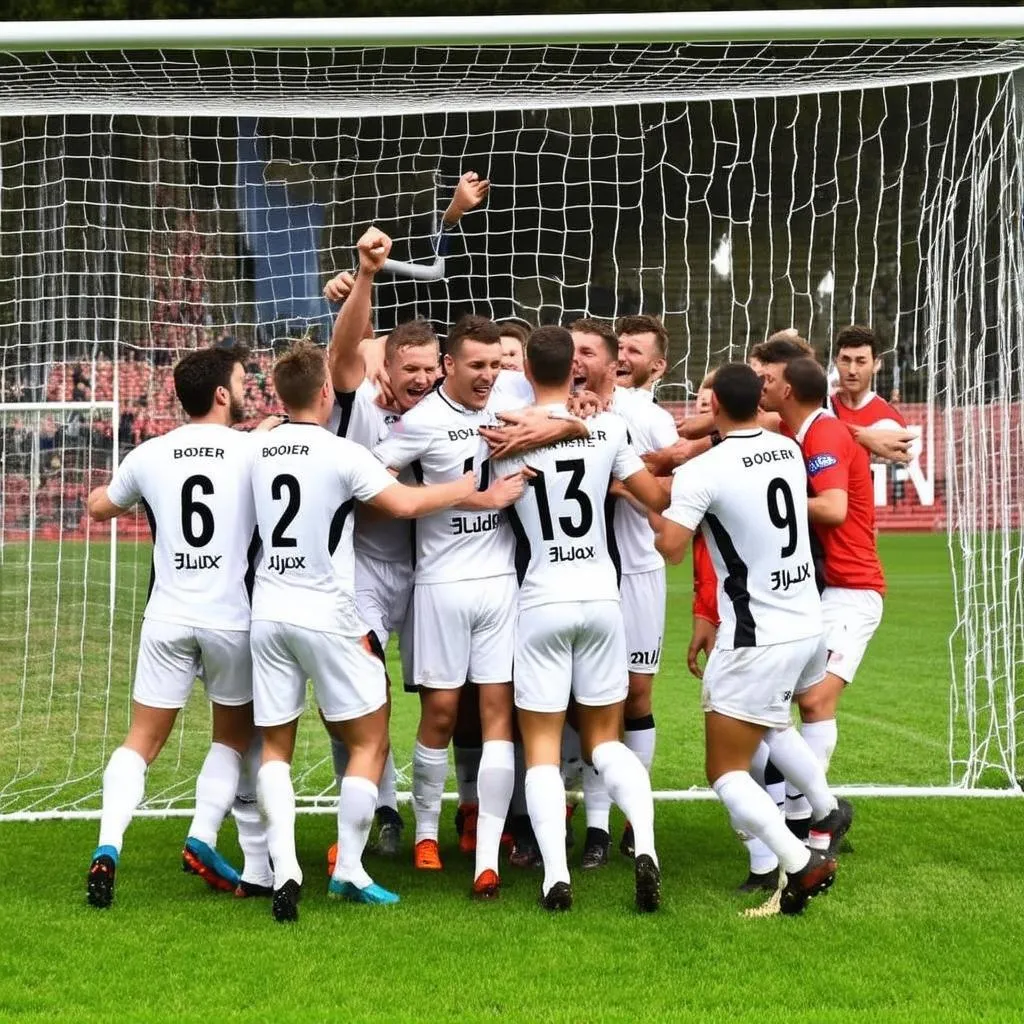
pixel 67 670
pixel 918 927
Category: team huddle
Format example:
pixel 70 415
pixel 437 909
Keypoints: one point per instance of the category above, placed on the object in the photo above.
pixel 505 512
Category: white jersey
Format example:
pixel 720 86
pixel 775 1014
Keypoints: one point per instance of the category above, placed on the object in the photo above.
pixel 194 483
pixel 651 428
pixel 559 522
pixel 357 417
pixel 439 440
pixel 750 493
pixel 305 483
pixel 513 384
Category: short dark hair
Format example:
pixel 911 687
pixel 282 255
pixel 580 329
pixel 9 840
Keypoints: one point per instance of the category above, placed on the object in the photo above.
pixel 856 336
pixel 643 323
pixel 738 390
pixel 299 374
pixel 411 334
pixel 514 329
pixel 808 380
pixel 602 329
pixel 549 354
pixel 198 375
pixel 473 328
pixel 781 349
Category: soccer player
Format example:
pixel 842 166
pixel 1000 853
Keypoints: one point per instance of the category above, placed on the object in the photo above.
pixel 194 485
pixel 306 623
pixel 383 547
pixel 464 594
pixel 857 360
pixel 842 512
pixel 570 632
pixel 748 496
pixel 643 352
pixel 642 585
pixel 513 345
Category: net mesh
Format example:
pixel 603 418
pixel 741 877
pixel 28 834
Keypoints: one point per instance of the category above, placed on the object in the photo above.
pixel 153 202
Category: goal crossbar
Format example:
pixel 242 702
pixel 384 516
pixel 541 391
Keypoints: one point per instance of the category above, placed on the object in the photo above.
pixel 705 26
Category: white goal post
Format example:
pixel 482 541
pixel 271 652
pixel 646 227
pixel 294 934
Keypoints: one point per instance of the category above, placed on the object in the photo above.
pixel 170 184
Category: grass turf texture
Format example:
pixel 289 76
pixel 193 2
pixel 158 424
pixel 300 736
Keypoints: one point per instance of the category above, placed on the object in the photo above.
pixel 65 698
pixel 914 930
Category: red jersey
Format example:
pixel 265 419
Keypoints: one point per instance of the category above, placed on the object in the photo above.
pixel 871 412
pixel 705 582
pixel 835 461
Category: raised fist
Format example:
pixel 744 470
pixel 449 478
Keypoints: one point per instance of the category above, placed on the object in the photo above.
pixel 337 289
pixel 373 248
pixel 470 192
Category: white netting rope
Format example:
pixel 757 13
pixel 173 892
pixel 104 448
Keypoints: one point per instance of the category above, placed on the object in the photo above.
pixel 126 238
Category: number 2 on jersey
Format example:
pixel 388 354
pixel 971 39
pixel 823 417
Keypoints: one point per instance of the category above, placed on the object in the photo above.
pixel 281 483
pixel 572 493
pixel 784 518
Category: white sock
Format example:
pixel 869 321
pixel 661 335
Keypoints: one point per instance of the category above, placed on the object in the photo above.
pixel 356 804
pixel 597 801
pixel 639 736
pixel 124 782
pixel 572 757
pixel 494 782
pixel 518 804
pixel 339 755
pixel 277 802
pixel 792 756
pixel 429 772
pixel 467 771
pixel 821 737
pixel 762 860
pixel 252 830
pixel 627 781
pixel 797 806
pixel 216 787
pixel 387 795
pixel 545 797
pixel 751 811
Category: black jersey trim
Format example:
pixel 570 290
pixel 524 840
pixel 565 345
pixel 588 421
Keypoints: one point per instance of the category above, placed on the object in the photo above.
pixel 252 557
pixel 151 519
pixel 524 551
pixel 338 525
pixel 735 585
pixel 612 542
pixel 346 400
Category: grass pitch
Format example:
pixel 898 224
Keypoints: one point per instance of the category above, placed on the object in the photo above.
pixel 915 929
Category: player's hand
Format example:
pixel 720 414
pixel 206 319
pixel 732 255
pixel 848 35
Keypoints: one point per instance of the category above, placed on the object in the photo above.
pixel 468 482
pixel 337 289
pixel 373 247
pixel 703 639
pixel 506 491
pixel 372 351
pixel 891 445
pixel 521 431
pixel 585 403
pixel 269 422
pixel 470 192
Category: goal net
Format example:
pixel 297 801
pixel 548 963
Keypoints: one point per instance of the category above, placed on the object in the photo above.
pixel 155 200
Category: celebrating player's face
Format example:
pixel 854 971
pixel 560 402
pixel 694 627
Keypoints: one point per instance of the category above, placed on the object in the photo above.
pixel 471 373
pixel 591 363
pixel 638 360
pixel 856 367
pixel 511 353
pixel 773 385
pixel 413 370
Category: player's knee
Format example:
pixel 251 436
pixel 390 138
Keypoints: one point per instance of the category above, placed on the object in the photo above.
pixel 638 700
pixel 437 722
pixel 818 703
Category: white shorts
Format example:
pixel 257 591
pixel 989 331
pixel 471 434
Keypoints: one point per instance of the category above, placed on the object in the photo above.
pixel 383 594
pixel 464 631
pixel 851 618
pixel 172 657
pixel 575 648
pixel 643 609
pixel 758 684
pixel 348 678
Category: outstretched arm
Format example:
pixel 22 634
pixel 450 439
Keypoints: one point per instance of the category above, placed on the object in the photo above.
pixel 403 502
pixel 347 367
pixel 101 508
